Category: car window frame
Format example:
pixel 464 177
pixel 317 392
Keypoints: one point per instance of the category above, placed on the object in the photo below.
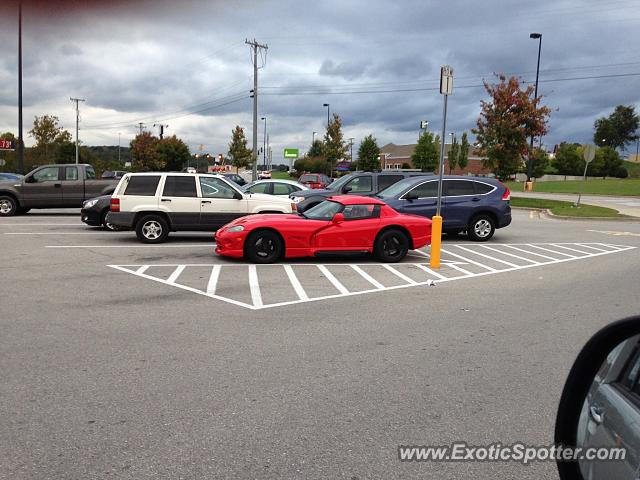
pixel 195 187
pixel 375 212
pixel 476 182
pixel 222 179
pixel 42 170
pixel 402 197
pixel 71 167
pixel 352 192
pixel 444 187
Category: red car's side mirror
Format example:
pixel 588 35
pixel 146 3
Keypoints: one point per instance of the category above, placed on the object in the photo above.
pixel 337 218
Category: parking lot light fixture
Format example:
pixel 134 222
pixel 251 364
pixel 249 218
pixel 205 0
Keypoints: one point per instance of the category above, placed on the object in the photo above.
pixel 534 36
pixel 328 109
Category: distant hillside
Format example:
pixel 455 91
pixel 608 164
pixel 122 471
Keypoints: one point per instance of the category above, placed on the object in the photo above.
pixel 633 169
pixel 109 154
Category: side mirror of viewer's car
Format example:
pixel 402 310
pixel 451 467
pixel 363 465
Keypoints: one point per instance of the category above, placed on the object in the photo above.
pixel 599 411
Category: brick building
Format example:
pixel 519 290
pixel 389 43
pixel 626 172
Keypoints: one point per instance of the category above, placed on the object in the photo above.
pixel 398 156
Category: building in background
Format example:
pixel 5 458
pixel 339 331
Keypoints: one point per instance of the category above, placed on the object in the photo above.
pixel 399 156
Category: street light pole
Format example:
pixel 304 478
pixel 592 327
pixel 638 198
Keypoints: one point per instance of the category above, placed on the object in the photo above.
pixel 264 144
pixel 328 108
pixel 535 36
pixel 351 144
pixel 313 138
pixel 119 149
pixel 20 141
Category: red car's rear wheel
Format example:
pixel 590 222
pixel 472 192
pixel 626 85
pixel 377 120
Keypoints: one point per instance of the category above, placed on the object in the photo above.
pixel 263 246
pixel 391 246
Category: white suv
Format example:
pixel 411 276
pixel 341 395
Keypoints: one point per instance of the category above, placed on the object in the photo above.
pixel 156 203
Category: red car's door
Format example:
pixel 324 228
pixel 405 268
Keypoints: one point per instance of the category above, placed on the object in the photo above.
pixel 356 232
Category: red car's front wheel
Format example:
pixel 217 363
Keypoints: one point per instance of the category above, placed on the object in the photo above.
pixel 263 246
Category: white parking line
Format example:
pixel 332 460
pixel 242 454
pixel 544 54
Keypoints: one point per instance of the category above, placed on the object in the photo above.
pixel 582 252
pixel 491 269
pixel 552 251
pixel 487 256
pixel 213 279
pixel 431 272
pixel 399 274
pixel 339 286
pixel 368 277
pixel 295 283
pixel 298 292
pixel 508 254
pixel 531 253
pixel 593 248
pixel 254 286
pixel 176 273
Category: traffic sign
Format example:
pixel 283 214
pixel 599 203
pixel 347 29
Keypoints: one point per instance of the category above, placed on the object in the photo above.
pixel 424 124
pixel 589 153
pixel 291 153
pixel 446 80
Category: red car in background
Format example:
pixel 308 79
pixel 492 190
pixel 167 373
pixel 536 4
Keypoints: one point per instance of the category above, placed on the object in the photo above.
pixel 339 225
pixel 314 180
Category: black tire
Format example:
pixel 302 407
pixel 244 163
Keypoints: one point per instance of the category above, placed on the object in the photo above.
pixel 263 246
pixel 105 224
pixel 481 228
pixel 152 229
pixel 8 206
pixel 391 246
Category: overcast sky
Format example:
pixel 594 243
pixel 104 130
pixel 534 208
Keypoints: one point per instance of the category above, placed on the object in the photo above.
pixel 377 64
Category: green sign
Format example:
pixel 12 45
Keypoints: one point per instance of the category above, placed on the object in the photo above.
pixel 291 153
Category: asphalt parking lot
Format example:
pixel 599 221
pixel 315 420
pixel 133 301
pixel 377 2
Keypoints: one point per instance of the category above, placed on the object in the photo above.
pixel 139 361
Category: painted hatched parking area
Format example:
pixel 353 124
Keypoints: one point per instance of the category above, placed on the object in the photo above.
pixel 265 286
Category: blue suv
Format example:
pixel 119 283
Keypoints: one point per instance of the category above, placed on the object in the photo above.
pixel 472 204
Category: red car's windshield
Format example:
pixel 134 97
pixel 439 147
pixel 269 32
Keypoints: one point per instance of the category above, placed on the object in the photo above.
pixel 324 211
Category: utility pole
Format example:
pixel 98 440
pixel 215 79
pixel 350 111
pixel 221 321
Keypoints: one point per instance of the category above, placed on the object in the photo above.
pixel 20 142
pixel 256 47
pixel 534 36
pixel 162 127
pixel 118 148
pixel 140 126
pixel 77 100
pixel 351 144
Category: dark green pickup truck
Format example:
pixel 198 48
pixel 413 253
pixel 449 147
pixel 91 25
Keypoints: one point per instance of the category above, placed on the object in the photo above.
pixel 52 186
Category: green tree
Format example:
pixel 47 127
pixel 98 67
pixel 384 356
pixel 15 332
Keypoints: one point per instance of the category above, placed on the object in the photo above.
pixel 173 152
pixel 425 155
pixel 369 154
pixel 507 122
pixel 334 147
pixel 239 154
pixel 144 153
pixel 540 160
pixel 618 129
pixel 568 159
pixel 50 136
pixel 606 163
pixel 452 155
pixel 463 154
pixel 316 149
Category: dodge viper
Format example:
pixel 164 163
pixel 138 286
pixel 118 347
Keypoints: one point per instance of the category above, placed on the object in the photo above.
pixel 339 225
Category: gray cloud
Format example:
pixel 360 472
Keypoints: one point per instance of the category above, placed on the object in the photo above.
pixel 376 63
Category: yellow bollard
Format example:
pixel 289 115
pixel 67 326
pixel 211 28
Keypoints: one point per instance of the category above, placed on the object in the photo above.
pixel 436 236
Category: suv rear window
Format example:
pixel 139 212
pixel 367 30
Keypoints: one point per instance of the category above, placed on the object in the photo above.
pixel 455 188
pixel 179 186
pixel 482 188
pixel 144 185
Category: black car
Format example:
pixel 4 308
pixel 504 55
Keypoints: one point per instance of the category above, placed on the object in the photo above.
pixel 234 177
pixel 95 212
pixel 357 183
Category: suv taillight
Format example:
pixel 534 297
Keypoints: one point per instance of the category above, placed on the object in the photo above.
pixel 507 193
pixel 115 205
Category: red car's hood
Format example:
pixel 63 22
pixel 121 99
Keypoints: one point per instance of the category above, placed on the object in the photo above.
pixel 269 219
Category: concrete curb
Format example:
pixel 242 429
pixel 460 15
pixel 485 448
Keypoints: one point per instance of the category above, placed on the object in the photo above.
pixel 548 213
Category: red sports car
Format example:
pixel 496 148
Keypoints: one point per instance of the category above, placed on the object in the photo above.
pixel 340 224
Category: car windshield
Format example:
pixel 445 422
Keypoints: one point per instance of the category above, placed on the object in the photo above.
pixel 393 191
pixel 338 184
pixel 324 211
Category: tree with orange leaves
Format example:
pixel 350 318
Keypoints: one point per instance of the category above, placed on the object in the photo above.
pixel 506 122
